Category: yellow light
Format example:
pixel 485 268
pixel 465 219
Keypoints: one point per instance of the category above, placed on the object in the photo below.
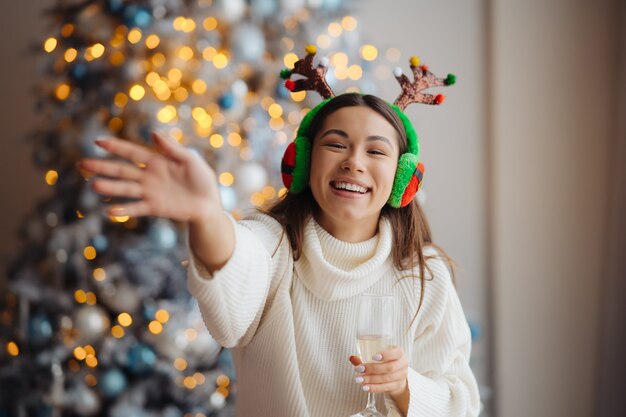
pixel 393 54
pixel 152 41
pixel 369 52
pixel 199 378
pixel 179 23
pixel 355 72
pixel 198 87
pixel 340 59
pixel 210 23
pixel 275 110
pixel 269 192
pixel 117 331
pixel 91 380
pixel 80 353
pixel 151 78
pixel 266 102
pixel 79 214
pixel 199 114
pixel 223 391
pixel 223 381
pixel 91 361
pixel 191 334
pixel 67 30
pixel 116 124
pixel 89 252
pixel 70 55
pixel 155 327
pixel 341 73
pixel 175 74
pixel 257 199
pixel 185 53
pixel 167 114
pixel 90 350
pixel 124 319
pixel 180 364
pixel 158 59
pixel 277 123
pixel 160 87
pixel 88 55
pixel 80 296
pixel 323 41
pixel 120 99
pixel 190 382
pixel 226 179
pixel 91 298
pixel 349 23
pixel 335 29
pixel 13 349
pixel 190 25
pixel 117 58
pixel 282 192
pixel 216 140
pixel 220 60
pixel 298 96
pixel 137 92
pixel 50 45
pixel 234 139
pixel 62 91
pixel 209 53
pixel 218 119
pixel 134 36
pixel 97 50
pixel 99 274
pixel 290 59
pixel 119 219
pixel 162 316
pixel 51 177
pixel 181 94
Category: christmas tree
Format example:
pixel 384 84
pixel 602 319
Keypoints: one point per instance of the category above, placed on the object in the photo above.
pixel 96 319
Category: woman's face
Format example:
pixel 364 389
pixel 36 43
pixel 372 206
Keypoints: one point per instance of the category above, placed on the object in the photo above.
pixel 353 163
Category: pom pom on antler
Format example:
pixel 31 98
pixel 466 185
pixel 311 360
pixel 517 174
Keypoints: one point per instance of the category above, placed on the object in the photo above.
pixel 422 80
pixel 315 76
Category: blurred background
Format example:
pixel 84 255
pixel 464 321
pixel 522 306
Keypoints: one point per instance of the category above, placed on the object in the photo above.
pixel 525 182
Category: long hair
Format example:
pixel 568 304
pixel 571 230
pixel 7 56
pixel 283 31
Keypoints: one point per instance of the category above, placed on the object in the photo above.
pixel 410 227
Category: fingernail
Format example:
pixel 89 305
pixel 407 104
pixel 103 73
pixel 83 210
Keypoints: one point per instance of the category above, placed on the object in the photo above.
pixel 377 357
pixel 365 388
pixel 358 379
pixel 359 368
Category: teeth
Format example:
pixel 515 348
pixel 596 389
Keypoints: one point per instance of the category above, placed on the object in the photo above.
pixel 350 187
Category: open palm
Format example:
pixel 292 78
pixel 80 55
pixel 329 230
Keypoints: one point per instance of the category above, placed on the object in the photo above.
pixel 171 181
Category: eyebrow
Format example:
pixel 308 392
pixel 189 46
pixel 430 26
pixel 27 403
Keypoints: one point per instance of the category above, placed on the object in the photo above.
pixel 345 135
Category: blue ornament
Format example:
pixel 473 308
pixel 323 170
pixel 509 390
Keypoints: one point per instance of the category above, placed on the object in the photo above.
pixel 137 16
pixel 39 329
pixel 163 235
pixel 149 312
pixel 79 71
pixel 225 363
pixel 112 383
pixel 141 359
pixel 475 330
pixel 227 101
pixel 115 6
pixel 281 90
pixel 100 242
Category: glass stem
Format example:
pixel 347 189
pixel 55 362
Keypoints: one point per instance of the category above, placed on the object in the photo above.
pixel 371 401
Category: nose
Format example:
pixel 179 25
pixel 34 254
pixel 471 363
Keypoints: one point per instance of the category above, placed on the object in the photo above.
pixel 353 163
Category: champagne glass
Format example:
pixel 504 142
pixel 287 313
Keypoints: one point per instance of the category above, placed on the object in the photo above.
pixel 374 330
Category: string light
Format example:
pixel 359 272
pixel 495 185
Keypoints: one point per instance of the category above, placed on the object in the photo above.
pixel 13 349
pixel 226 179
pixel 369 52
pixel 99 274
pixel 51 177
pixel 152 41
pixel 50 45
pixel 162 316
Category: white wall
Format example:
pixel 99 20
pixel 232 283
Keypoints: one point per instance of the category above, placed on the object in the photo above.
pixel 553 135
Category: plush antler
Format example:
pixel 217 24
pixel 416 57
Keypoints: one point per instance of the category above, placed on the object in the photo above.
pixel 423 79
pixel 315 77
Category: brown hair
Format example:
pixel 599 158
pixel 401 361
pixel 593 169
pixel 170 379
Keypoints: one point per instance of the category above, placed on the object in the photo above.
pixel 409 225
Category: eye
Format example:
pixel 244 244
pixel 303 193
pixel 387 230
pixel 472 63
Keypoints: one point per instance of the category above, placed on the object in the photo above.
pixel 376 152
pixel 335 145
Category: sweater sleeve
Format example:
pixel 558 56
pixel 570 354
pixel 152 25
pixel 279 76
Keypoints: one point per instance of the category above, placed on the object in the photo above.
pixel 440 380
pixel 231 300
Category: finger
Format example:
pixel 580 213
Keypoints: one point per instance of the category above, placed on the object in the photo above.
pixel 381 388
pixel 117 188
pixel 125 149
pixel 374 368
pixel 112 169
pixel 391 354
pixel 355 360
pixel 365 379
pixel 170 147
pixel 136 209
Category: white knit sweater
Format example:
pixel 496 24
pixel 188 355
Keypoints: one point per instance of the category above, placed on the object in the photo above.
pixel 292 325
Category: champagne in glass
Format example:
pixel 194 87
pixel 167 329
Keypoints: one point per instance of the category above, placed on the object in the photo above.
pixel 374 330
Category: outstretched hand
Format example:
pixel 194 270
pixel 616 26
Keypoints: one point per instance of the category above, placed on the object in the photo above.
pixel 170 181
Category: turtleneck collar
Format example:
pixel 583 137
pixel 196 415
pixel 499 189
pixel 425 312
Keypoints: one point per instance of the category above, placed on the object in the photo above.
pixel 333 269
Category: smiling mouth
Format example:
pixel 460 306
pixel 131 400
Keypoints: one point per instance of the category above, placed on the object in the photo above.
pixel 346 186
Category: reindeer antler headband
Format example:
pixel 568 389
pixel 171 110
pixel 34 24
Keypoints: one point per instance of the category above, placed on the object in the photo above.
pixel 409 174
